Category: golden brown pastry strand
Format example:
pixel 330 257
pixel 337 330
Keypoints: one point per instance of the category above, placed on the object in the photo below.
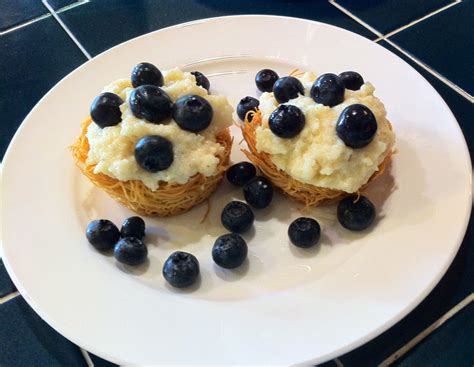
pixel 308 194
pixel 169 198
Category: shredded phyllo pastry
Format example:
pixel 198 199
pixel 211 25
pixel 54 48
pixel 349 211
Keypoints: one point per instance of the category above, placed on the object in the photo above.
pixel 308 194
pixel 169 198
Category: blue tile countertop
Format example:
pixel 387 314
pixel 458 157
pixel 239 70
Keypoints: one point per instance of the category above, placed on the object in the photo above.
pixel 434 36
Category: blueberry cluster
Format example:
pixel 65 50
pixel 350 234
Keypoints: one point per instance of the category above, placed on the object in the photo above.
pixel 149 101
pixel 356 125
pixel 127 243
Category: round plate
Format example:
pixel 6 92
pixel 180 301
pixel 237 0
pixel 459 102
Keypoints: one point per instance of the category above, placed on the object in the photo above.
pixel 282 306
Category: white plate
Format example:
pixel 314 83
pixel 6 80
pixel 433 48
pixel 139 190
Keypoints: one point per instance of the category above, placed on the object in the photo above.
pixel 284 306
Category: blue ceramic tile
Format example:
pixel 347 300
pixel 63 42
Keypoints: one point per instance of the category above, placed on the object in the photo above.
pixel 128 19
pixel 26 340
pixel 445 43
pixel 457 282
pixel 6 284
pixel 452 344
pixel 14 12
pixel 33 59
pixel 327 364
pixel 388 15
pixel 99 362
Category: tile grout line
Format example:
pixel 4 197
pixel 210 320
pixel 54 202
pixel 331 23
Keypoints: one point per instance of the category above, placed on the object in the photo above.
pixel 8 297
pixel 66 29
pixel 416 21
pixel 338 362
pixel 443 79
pixel 27 23
pixel 41 17
pixel 446 81
pixel 355 18
pixel 421 336
pixel 87 358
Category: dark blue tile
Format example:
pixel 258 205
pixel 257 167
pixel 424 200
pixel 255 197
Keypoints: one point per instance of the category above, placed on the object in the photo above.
pixel 388 15
pixel 328 364
pixel 445 43
pixel 452 344
pixel 6 284
pixel 14 12
pixel 457 282
pixel 26 340
pixel 33 59
pixel 58 4
pixel 128 19
pixel 99 362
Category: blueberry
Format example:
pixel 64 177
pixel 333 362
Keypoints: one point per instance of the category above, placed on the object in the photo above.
pixel 265 79
pixel 150 103
pixel 351 80
pixel 130 251
pixel 328 90
pixel 192 113
pixel 237 217
pixel 201 80
pixel 245 105
pixel 286 121
pixel 133 227
pixel 304 232
pixel 355 213
pixel 146 74
pixel 356 126
pixel 258 192
pixel 154 153
pixel 241 173
pixel 105 109
pixel 229 251
pixel 287 88
pixel 102 234
pixel 181 269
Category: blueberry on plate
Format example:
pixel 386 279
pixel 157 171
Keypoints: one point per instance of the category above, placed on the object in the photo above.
pixel 356 126
pixel 328 90
pixel 237 217
pixel 287 88
pixel 304 232
pixel 105 109
pixel 286 121
pixel 355 213
pixel 229 251
pixel 130 251
pixel 102 234
pixel 192 113
pixel 351 80
pixel 201 80
pixel 133 227
pixel 154 153
pixel 146 74
pixel 181 269
pixel 265 79
pixel 151 103
pixel 241 173
pixel 245 105
pixel 258 192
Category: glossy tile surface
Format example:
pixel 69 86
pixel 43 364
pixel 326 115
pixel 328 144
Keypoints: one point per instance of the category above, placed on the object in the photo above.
pixel 445 43
pixel 26 340
pixel 387 15
pixel 33 59
pixel 129 19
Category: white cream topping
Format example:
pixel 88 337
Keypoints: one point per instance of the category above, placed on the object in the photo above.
pixel 317 155
pixel 112 148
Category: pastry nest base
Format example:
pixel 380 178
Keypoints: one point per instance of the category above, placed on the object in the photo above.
pixel 305 193
pixel 169 198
